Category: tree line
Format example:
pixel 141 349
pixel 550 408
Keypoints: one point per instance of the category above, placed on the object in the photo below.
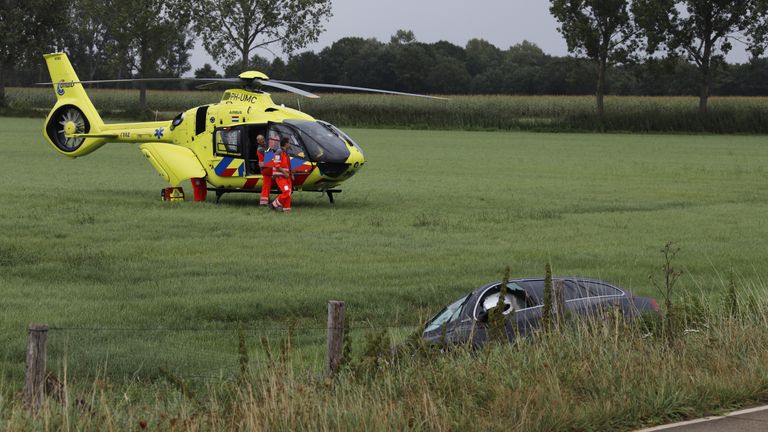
pixel 624 47
pixel 121 39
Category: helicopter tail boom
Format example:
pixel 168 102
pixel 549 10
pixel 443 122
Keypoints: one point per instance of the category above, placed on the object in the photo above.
pixel 73 126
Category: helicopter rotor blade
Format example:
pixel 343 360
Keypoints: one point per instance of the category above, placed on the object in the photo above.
pixel 219 81
pixel 213 82
pixel 126 80
pixel 278 84
pixel 282 86
pixel 363 89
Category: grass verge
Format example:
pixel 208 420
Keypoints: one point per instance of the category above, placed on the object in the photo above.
pixel 598 374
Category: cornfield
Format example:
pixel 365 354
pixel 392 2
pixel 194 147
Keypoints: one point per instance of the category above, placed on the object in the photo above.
pixel 741 115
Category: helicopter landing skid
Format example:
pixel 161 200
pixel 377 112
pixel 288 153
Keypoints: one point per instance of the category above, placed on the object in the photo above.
pixel 221 191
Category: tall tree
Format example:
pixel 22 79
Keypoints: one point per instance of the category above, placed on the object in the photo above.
pixel 257 62
pixel 235 28
pixel 85 41
pixel 28 29
pixel 700 30
pixel 174 61
pixel 206 71
pixel 141 33
pixel 757 29
pixel 305 66
pixel 481 56
pixel 600 30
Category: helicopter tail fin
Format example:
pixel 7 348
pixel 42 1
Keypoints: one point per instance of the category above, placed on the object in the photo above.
pixel 73 113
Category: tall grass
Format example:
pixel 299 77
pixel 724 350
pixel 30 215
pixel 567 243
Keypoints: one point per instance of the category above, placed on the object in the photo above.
pixel 548 113
pixel 598 374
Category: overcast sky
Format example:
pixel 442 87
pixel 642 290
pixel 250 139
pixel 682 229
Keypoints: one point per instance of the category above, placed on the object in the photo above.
pixel 501 22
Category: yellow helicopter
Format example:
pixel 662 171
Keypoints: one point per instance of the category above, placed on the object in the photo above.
pixel 213 146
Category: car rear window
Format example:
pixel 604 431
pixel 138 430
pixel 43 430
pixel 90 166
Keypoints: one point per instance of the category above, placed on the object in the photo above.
pixel 596 289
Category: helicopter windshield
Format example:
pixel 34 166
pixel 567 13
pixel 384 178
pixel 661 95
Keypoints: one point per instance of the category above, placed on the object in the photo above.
pixel 341 134
pixel 322 143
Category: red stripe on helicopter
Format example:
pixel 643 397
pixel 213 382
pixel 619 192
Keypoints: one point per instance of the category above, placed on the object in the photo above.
pixel 301 173
pixel 229 172
pixel 250 183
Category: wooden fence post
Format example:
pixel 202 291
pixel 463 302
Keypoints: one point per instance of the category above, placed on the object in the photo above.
pixel 335 337
pixel 37 351
pixel 559 298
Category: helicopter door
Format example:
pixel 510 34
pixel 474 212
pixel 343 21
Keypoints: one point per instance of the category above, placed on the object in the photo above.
pixel 228 151
pixel 250 147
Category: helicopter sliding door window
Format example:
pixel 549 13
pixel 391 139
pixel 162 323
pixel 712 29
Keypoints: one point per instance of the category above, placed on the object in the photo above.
pixel 229 141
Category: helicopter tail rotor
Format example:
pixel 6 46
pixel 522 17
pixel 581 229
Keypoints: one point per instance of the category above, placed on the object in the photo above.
pixel 73 113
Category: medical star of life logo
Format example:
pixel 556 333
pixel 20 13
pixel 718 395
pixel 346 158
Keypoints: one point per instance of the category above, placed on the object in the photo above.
pixel 61 85
pixel 159 132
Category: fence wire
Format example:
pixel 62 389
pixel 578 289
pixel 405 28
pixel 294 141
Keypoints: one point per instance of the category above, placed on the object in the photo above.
pixel 191 353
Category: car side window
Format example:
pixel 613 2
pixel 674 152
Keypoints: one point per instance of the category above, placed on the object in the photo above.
pixel 535 289
pixel 515 299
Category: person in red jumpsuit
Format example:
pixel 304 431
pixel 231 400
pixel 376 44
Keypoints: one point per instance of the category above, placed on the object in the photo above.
pixel 265 168
pixel 283 177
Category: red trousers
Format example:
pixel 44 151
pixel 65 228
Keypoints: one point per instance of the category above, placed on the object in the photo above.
pixel 286 186
pixel 266 186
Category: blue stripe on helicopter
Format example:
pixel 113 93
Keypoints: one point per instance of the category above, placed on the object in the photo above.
pixel 223 165
pixel 297 162
pixel 240 170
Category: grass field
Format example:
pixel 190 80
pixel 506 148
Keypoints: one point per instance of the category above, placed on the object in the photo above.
pixel 88 243
pixel 132 284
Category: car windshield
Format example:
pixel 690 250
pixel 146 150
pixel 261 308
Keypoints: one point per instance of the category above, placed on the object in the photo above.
pixel 321 142
pixel 449 314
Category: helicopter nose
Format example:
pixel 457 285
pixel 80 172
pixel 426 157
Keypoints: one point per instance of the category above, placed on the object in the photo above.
pixel 356 159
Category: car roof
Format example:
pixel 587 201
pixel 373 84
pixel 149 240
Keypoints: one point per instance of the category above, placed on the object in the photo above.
pixel 540 279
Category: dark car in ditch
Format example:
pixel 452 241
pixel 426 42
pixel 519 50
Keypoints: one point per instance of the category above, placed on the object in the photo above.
pixel 466 319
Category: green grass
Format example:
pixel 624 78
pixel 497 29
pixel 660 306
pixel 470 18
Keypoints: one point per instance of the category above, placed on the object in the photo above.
pixel 88 243
pixel 740 115
pixel 600 374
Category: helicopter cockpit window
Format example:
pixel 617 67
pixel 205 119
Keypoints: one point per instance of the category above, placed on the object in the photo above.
pixel 321 142
pixel 341 134
pixel 278 132
pixel 228 141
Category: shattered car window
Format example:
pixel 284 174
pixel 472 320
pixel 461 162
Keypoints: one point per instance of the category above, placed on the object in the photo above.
pixel 449 314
